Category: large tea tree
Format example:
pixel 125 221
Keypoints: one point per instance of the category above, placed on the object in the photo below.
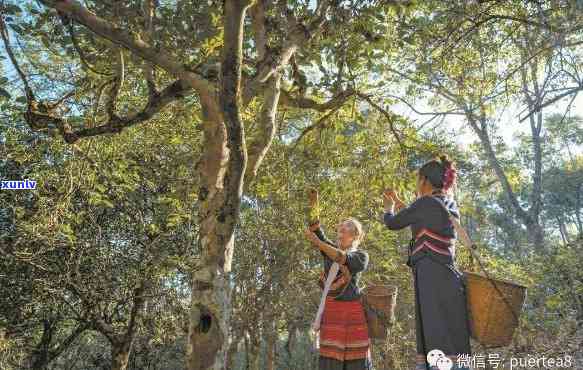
pixel 240 62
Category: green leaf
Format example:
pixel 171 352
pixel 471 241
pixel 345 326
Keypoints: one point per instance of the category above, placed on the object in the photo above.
pixel 12 9
pixel 4 93
pixel 176 140
pixel 107 203
pixel 102 188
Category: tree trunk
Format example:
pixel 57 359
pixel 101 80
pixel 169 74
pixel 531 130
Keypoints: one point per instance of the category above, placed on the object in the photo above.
pixel 533 95
pixel 563 231
pixel 578 212
pixel 289 345
pixel 40 357
pixel 210 301
pixel 120 355
pixel 271 347
pixel 247 345
pixel 532 222
pixel 222 168
pixel 232 353
pixel 536 234
pixel 253 351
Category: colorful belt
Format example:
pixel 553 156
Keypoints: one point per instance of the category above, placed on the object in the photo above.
pixel 432 242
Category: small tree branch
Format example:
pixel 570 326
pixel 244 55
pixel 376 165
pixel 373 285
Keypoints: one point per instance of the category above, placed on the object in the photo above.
pixel 539 106
pixel 298 34
pixel 320 123
pixel 307 103
pixel 69 24
pixel 6 38
pixel 388 116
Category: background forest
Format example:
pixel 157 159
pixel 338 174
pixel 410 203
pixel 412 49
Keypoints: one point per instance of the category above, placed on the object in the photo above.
pixel 172 143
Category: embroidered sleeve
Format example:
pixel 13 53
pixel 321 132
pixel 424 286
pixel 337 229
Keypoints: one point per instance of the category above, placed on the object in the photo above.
pixel 317 229
pixel 357 261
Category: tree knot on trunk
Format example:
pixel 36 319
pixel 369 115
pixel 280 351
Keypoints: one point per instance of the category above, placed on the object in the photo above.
pixel 206 339
pixel 221 217
pixel 204 324
pixel 203 193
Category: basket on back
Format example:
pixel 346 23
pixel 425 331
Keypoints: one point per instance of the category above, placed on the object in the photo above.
pixel 494 306
pixel 493 318
pixel 379 303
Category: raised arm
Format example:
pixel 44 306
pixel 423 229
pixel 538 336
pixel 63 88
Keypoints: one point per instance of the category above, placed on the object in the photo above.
pixel 316 228
pixel 314 217
pixel 327 248
pixel 405 217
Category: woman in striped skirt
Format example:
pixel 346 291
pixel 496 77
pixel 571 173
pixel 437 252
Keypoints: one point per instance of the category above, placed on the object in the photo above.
pixel 441 318
pixel 343 332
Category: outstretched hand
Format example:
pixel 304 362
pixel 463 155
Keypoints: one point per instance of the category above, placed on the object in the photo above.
pixel 313 238
pixel 399 205
pixel 391 199
pixel 313 197
pixel 313 206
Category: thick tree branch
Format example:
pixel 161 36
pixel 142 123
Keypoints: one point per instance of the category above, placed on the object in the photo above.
pixel 229 98
pixel 149 12
pixel 138 306
pixel 257 13
pixel 117 83
pixel 298 34
pixel 480 130
pixel 259 146
pixel 115 124
pixel 119 36
pixel 65 344
pixel 539 106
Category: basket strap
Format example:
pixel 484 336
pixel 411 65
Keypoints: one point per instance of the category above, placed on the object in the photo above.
pixel 331 275
pixel 467 242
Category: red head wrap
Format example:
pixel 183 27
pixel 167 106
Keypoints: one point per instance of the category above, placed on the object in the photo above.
pixel 449 176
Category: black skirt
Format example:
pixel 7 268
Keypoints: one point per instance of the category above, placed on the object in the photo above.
pixel 441 315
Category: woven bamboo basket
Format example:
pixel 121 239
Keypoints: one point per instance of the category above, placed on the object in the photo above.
pixel 492 323
pixel 379 303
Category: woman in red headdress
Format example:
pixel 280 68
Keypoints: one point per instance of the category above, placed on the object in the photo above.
pixel 441 317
